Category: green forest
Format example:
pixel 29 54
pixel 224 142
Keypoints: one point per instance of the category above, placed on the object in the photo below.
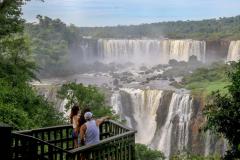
pixel 20 105
pixel 225 28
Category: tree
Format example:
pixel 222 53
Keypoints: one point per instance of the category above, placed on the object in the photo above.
pixel 10 17
pixel 223 113
pixel 145 153
pixel 20 106
pixel 51 44
pixel 85 97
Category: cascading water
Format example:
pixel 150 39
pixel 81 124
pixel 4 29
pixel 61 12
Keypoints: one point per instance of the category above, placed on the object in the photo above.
pixel 207 144
pixel 180 107
pixel 145 101
pixel 158 51
pixel 234 51
pixel 146 106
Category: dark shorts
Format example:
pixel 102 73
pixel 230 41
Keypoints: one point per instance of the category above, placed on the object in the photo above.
pixel 74 134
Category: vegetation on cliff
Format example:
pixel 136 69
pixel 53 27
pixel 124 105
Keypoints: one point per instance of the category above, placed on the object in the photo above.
pixel 143 152
pixel 223 113
pixel 188 156
pixel 204 80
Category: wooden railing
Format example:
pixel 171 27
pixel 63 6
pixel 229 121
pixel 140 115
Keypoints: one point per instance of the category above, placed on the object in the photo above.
pixel 29 148
pixel 55 143
pixel 59 136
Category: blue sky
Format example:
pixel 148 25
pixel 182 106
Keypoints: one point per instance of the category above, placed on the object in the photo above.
pixel 125 12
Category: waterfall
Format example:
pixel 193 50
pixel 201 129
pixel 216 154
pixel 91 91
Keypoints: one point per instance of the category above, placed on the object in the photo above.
pixel 180 107
pixel 158 51
pixel 144 101
pixel 234 51
pixel 145 106
pixel 207 144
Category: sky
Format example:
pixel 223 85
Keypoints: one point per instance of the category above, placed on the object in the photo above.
pixel 90 13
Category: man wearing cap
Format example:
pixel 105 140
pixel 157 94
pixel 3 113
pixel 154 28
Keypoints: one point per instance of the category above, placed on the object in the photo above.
pixel 89 131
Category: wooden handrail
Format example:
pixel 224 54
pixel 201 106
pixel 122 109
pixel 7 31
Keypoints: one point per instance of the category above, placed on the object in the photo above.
pixel 64 126
pixel 120 125
pixel 118 140
pixel 107 140
pixel 43 142
pixel 43 129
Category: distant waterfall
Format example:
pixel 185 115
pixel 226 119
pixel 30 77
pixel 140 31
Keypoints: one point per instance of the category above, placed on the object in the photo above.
pixel 158 51
pixel 142 108
pixel 234 51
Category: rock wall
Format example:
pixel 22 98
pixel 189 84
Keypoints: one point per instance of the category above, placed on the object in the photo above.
pixel 216 50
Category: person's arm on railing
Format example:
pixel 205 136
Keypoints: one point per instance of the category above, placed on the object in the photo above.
pixel 82 133
pixel 101 120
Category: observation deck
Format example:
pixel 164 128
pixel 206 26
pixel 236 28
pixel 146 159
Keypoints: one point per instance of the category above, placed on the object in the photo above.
pixel 56 143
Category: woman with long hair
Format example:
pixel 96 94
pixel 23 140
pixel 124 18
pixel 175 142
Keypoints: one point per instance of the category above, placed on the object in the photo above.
pixel 74 119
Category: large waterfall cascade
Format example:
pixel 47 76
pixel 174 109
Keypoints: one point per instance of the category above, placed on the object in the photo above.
pixel 145 104
pixel 160 51
pixel 180 106
pixel 234 51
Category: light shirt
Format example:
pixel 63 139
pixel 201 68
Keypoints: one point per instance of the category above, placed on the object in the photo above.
pixel 92 135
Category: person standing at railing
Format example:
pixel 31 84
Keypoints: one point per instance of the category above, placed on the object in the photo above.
pixel 89 131
pixel 74 119
pixel 82 120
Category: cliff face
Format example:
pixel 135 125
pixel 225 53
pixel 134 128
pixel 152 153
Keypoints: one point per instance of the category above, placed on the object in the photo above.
pixel 201 142
pixel 168 121
pixel 217 50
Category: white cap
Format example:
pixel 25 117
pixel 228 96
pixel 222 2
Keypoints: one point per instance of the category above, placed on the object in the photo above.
pixel 88 115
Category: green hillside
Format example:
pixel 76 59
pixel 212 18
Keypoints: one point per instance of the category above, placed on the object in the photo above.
pixel 210 29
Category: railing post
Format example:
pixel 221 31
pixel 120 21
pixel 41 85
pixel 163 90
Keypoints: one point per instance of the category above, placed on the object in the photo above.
pixel 5 139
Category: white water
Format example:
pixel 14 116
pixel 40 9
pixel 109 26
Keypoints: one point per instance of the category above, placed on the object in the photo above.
pixel 116 102
pixel 234 51
pixel 180 106
pixel 207 144
pixel 145 104
pixel 150 51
